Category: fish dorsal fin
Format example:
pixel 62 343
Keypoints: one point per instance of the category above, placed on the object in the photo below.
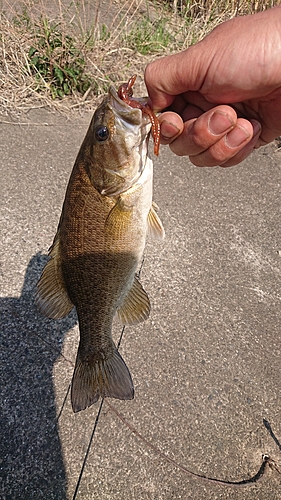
pixel 51 297
pixel 155 227
pixel 136 305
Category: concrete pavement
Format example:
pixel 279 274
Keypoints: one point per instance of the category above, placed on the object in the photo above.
pixel 206 365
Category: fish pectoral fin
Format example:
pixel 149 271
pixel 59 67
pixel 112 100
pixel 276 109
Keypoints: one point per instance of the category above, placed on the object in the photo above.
pixel 118 219
pixel 51 297
pixel 136 305
pixel 155 227
pixel 102 378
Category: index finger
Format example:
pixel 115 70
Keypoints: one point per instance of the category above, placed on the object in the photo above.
pixel 171 76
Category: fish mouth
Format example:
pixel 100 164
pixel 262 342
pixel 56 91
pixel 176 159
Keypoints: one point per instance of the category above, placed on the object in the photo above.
pixel 134 126
pixel 132 116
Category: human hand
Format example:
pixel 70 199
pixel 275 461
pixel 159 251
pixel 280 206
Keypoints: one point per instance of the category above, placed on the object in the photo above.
pixel 222 96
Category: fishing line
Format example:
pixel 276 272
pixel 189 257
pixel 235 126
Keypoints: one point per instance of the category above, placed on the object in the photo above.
pixel 99 412
pixel 64 401
pixel 94 429
pixel 268 427
pixel 267 461
pixel 88 450
pixel 121 336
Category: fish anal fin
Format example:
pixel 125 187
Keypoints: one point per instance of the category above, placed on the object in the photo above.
pixel 155 227
pixel 119 219
pixel 136 305
pixel 51 297
pixel 105 378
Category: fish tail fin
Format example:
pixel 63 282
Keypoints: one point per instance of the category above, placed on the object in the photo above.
pixel 102 378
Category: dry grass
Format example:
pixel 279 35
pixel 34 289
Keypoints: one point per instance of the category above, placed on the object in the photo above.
pixel 219 7
pixel 112 40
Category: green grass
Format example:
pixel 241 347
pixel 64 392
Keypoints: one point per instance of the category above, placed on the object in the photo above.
pixel 56 62
pixel 150 37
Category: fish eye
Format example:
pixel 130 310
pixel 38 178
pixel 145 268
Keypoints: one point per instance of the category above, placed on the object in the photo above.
pixel 101 133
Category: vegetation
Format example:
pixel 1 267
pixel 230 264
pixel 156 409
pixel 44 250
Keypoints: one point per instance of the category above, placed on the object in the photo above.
pixel 149 37
pixel 65 54
pixel 54 59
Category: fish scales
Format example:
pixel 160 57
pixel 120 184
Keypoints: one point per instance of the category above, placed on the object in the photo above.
pixel 98 247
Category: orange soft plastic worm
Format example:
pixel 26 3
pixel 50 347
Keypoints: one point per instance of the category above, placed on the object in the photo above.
pixel 125 92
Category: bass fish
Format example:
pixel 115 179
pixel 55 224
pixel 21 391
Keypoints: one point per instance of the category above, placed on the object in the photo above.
pixel 106 216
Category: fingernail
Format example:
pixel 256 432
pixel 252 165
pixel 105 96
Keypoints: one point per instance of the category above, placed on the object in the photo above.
pixel 219 123
pixel 169 130
pixel 236 137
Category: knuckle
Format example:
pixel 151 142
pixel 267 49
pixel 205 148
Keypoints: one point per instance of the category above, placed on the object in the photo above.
pixel 199 142
pixel 209 159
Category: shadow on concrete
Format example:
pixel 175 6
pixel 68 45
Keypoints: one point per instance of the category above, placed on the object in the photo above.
pixel 31 462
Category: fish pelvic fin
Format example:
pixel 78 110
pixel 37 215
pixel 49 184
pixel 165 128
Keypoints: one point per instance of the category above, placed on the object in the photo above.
pixel 155 226
pixel 105 378
pixel 51 297
pixel 136 305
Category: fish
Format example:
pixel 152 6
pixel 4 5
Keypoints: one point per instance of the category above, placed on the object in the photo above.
pixel 106 216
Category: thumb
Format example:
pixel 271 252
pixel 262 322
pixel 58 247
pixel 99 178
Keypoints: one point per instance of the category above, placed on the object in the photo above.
pixel 173 75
